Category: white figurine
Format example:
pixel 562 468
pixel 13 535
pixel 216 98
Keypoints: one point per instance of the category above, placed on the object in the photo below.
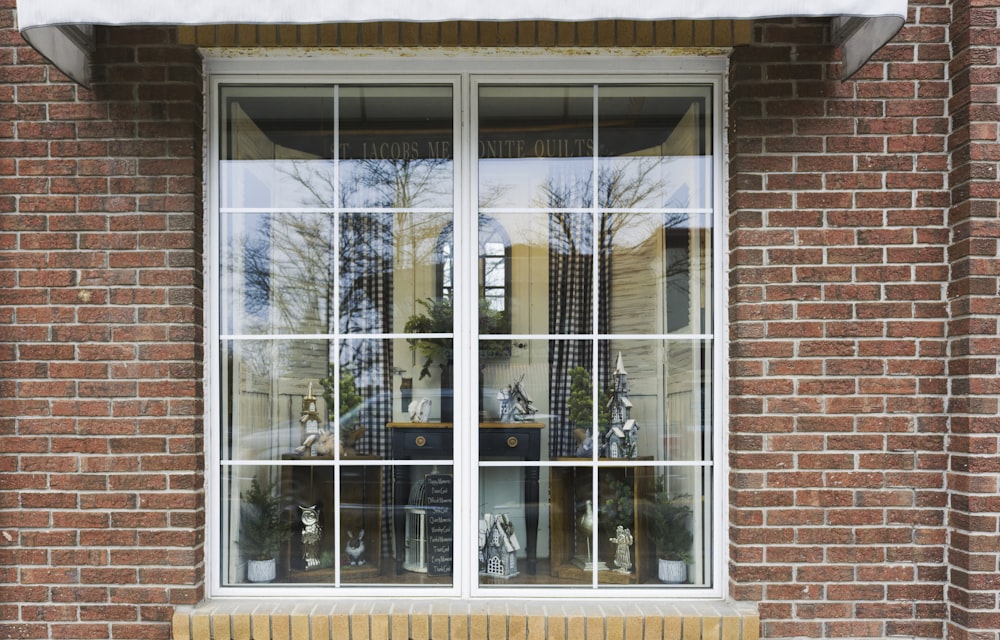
pixel 420 410
pixel 623 557
pixel 312 535
pixel 355 548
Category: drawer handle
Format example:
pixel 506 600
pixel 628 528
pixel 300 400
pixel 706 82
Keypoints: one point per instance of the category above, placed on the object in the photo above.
pixel 512 442
pixel 420 441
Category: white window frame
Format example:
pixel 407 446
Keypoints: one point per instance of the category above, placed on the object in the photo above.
pixel 465 70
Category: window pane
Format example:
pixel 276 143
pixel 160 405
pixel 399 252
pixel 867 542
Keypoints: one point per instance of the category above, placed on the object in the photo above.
pixel 658 400
pixel 276 272
pixel 575 550
pixel 660 273
pixel 277 147
pixel 550 274
pixel 673 534
pixel 654 147
pixel 535 147
pixel 513 521
pixel 396 146
pixel 268 388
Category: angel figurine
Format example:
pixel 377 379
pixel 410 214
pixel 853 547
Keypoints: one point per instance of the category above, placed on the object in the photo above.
pixel 623 557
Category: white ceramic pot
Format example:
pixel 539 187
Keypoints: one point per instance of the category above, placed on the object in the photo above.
pixel 672 571
pixel 261 570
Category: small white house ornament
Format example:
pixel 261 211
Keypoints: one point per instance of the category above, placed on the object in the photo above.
pixel 621 441
pixel 498 546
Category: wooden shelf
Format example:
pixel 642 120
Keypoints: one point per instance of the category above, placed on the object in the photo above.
pixel 360 508
pixel 571 486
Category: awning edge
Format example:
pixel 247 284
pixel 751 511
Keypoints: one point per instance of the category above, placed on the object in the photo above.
pixel 67 47
pixel 860 34
pixel 860 39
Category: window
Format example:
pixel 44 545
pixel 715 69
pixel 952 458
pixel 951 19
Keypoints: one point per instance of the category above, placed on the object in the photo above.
pixel 466 334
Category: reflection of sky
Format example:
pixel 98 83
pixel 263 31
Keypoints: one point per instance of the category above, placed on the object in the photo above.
pixel 675 182
pixel 412 183
pixel 277 183
pixel 528 182
pixel 259 184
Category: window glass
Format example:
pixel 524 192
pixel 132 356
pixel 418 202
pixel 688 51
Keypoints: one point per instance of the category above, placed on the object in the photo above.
pixel 604 404
pixel 563 441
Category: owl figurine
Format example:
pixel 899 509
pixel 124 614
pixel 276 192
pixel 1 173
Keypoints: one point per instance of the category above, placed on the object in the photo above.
pixel 312 535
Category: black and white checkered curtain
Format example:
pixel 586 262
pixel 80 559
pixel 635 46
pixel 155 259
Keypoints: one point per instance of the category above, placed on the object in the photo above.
pixel 571 251
pixel 366 246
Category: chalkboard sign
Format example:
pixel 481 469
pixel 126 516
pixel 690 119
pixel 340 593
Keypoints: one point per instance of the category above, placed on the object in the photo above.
pixel 438 500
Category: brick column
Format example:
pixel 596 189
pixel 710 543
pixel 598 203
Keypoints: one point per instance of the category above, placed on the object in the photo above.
pixel 974 341
pixel 101 245
pixel 837 287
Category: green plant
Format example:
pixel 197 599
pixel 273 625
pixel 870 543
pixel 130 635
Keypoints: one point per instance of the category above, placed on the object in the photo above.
pixel 438 319
pixel 580 402
pixel 619 508
pixel 262 527
pixel 349 399
pixel 667 517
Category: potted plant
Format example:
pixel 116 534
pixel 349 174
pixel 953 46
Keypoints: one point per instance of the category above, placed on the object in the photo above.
pixel 262 530
pixel 668 520
pixel 437 318
pixel 350 430
pixel 579 406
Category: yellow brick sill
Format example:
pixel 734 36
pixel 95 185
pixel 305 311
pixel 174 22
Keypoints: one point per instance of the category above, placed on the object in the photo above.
pixel 465 620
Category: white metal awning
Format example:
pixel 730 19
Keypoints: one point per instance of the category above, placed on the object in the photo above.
pixel 62 30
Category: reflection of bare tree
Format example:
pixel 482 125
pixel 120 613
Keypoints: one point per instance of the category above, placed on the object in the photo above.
pixel 398 183
pixel 286 259
pixel 286 267
pixel 621 188
pixel 622 185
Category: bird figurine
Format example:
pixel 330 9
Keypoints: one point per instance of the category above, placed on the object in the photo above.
pixel 587 524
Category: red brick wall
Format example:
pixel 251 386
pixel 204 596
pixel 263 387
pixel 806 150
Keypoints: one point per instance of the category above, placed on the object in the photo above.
pixel 101 434
pixel 839 307
pixel 974 306
pixel 863 305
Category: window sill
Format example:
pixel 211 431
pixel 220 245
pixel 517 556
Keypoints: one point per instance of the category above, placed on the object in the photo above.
pixel 453 620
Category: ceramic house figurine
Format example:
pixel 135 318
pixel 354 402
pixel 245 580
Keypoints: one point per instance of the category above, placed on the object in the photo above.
pixel 621 438
pixel 498 547
pixel 515 403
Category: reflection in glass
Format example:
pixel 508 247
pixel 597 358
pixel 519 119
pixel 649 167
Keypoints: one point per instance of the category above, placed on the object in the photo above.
pixel 276 272
pixel 535 146
pixel 367 246
pixel 668 388
pixel 277 147
pixel 654 147
pixel 350 239
pixel 660 277
pixel 396 146
pixel 264 391
pixel 279 184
